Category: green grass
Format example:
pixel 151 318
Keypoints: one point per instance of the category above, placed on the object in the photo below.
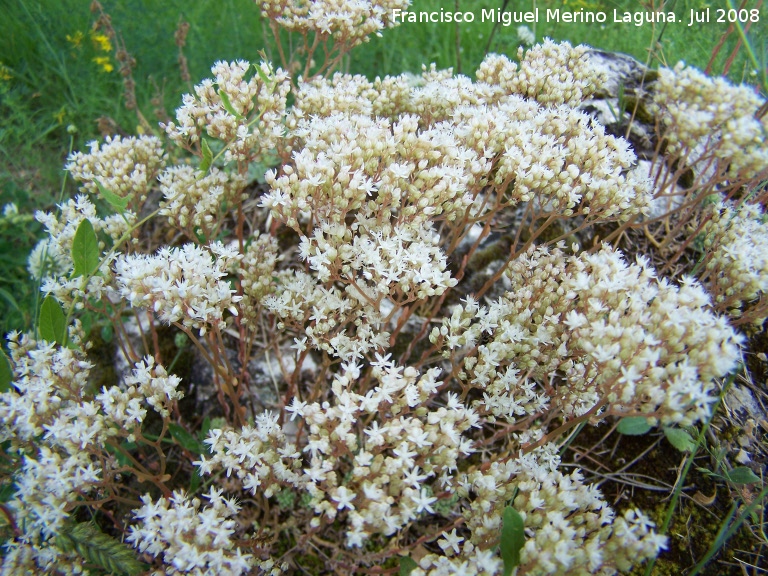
pixel 410 45
pixel 49 81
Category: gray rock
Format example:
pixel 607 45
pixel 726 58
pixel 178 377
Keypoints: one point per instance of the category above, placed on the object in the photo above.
pixel 622 73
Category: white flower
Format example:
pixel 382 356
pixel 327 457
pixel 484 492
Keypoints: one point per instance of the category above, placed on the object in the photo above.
pixel 450 542
pixel 423 501
pixel 344 497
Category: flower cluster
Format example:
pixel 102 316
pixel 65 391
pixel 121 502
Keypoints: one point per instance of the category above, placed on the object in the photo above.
pixel 257 274
pixel 556 156
pixel 393 471
pixel 148 384
pixel 346 326
pixel 124 166
pixel 350 23
pixel 432 96
pixel 46 485
pixel 574 530
pixel 59 430
pixel 191 539
pixel 51 260
pixel 182 285
pixel 242 108
pixel 402 262
pixel 395 170
pixel 392 183
pixel 737 265
pixel 354 94
pixel 615 335
pixel 195 202
pixel 699 112
pixel 260 456
pixel 550 73
pixel 440 93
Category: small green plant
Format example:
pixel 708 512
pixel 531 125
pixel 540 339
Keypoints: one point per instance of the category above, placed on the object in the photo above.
pixel 95 547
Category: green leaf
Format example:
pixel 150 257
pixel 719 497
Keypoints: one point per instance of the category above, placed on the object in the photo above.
pixel 86 319
pixel 6 372
pixel 407 564
pixel 205 428
pixel 185 439
pixel 207 160
pixel 228 105
pixel 680 439
pixel 194 481
pixel 107 333
pixel 742 475
pixel 118 203
pixel 707 472
pixel 512 539
pixel 7 491
pixel 97 548
pixel 53 324
pixel 264 78
pixel 633 426
pixel 85 250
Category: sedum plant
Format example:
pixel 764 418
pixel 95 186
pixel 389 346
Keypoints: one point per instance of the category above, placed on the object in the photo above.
pixel 406 264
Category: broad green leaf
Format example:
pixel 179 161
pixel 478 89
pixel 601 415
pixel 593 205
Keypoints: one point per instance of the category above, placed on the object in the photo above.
pixel 118 203
pixel 633 426
pixel 6 372
pixel 85 250
pixel 512 539
pixel 407 565
pixel 207 160
pixel 742 475
pixel 680 439
pixel 228 105
pixel 185 439
pixel 53 323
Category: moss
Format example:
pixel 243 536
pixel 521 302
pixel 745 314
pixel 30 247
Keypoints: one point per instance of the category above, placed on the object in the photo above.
pixel 693 528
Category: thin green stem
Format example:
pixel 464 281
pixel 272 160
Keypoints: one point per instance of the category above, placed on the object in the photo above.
pixel 750 51
pixel 724 535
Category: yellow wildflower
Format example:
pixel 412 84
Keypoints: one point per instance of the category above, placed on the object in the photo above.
pixel 59 116
pixel 104 62
pixel 5 72
pixel 101 42
pixel 75 39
